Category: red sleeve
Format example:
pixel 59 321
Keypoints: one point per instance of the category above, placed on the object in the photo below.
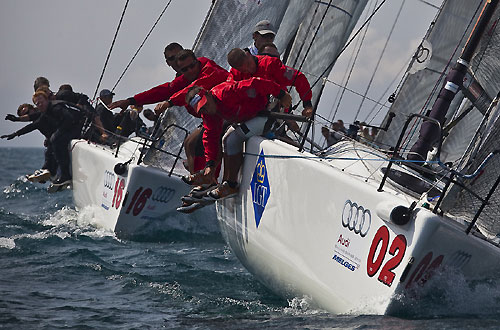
pixel 162 92
pixel 209 77
pixel 211 136
pixel 286 76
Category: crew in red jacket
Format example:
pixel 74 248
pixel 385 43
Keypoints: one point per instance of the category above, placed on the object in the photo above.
pixel 206 76
pixel 245 65
pixel 201 71
pixel 164 91
pixel 237 102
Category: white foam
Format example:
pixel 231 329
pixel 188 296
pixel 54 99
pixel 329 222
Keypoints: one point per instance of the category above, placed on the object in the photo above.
pixel 7 243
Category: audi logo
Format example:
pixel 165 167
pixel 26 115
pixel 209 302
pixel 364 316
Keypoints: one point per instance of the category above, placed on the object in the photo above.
pixel 458 259
pixel 109 179
pixel 163 194
pixel 356 218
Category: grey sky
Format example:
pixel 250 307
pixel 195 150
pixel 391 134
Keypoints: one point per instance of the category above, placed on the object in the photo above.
pixel 67 41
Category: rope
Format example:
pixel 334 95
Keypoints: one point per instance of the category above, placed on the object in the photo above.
pixel 380 59
pixel 110 49
pixel 142 44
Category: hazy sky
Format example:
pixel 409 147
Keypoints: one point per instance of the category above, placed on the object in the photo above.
pixel 67 41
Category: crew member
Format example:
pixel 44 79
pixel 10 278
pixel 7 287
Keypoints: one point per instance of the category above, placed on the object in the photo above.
pixel 238 102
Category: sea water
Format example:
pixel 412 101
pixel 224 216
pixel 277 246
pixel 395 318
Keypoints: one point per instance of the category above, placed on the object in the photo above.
pixel 58 270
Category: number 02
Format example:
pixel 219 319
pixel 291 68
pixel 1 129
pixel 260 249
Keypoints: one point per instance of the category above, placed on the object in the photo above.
pixel 397 250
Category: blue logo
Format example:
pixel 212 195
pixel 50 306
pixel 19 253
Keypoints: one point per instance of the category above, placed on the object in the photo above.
pixel 344 263
pixel 260 188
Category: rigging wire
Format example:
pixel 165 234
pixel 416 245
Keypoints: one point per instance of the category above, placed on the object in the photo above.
pixel 110 49
pixel 407 139
pixel 383 95
pixel 380 58
pixel 343 89
pixel 142 44
pixel 328 67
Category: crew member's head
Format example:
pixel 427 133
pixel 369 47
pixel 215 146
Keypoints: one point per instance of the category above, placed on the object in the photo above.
pixel 45 89
pixel 269 49
pixel 188 64
pixel 242 61
pixel 25 109
pixel 263 32
pixel 106 96
pixel 41 100
pixel 170 53
pixel 65 87
pixel 201 100
pixel 40 81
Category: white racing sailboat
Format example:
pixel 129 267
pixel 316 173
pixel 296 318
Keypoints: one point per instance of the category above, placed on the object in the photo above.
pixel 134 187
pixel 355 225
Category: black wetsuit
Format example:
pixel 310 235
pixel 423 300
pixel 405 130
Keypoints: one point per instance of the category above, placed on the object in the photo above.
pixel 61 123
pixel 107 118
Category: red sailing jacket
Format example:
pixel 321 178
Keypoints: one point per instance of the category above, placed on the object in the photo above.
pixel 165 91
pixel 210 75
pixel 237 101
pixel 272 68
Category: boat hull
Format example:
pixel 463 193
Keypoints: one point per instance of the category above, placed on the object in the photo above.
pixel 320 229
pixel 141 201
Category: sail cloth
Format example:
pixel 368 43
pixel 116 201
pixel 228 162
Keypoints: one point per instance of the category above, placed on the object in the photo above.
pixel 459 202
pixel 230 24
pixel 440 48
pixel 342 16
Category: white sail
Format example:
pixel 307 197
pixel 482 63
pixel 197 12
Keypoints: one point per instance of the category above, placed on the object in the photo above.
pixel 438 52
pixel 230 24
pixel 338 23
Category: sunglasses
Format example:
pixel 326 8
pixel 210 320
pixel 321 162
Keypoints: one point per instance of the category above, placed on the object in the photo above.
pixel 170 59
pixel 189 67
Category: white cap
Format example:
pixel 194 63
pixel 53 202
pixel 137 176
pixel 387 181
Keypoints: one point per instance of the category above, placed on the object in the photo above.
pixel 264 27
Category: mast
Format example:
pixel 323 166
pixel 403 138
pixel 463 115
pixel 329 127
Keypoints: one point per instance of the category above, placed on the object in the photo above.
pixel 429 132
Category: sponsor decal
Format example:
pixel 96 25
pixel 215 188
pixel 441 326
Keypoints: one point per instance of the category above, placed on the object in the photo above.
pixel 458 259
pixel 163 194
pixel 260 188
pixel 107 190
pixel 356 218
pixel 109 180
pixel 342 254
pixel 346 263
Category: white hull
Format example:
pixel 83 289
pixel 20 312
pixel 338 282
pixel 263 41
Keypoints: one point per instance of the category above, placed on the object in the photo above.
pixel 142 201
pixel 304 244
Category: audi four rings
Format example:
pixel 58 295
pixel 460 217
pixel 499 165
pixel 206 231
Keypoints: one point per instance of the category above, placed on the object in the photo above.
pixel 163 194
pixel 109 179
pixel 356 218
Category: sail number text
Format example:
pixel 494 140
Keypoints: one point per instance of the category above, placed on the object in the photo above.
pixel 377 254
